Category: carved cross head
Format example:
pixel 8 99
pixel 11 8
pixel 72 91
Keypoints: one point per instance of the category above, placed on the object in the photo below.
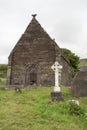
pixel 56 66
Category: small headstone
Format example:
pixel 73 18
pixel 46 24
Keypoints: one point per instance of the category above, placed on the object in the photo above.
pixel 17 89
pixel 56 95
pixel 79 83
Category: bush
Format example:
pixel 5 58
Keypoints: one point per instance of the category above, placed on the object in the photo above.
pixel 74 108
pixel 73 59
pixel 3 67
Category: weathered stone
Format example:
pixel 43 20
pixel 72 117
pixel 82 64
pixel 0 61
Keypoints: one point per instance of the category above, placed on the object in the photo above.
pixel 18 89
pixel 56 67
pixel 32 57
pixel 57 96
pixel 79 84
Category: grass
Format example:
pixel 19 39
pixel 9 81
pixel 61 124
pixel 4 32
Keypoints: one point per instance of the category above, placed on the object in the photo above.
pixel 2 81
pixel 83 62
pixel 34 110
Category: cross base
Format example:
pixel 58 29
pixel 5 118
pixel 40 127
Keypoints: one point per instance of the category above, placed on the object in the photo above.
pixel 57 96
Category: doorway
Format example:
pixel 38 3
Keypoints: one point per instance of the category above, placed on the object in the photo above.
pixel 33 78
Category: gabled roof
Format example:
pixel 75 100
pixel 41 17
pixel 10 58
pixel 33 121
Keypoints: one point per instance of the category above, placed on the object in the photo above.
pixel 35 31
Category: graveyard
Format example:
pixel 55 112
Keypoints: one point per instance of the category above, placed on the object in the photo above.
pixel 33 109
pixel 45 100
pixel 43 65
pixel 37 92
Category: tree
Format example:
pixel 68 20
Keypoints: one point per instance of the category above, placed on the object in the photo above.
pixel 74 60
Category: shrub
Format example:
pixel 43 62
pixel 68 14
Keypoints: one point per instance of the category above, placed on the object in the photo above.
pixel 3 67
pixel 74 108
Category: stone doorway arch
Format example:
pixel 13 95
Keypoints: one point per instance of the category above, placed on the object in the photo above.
pixel 31 75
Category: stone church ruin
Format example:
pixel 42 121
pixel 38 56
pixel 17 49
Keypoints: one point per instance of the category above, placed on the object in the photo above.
pixel 31 59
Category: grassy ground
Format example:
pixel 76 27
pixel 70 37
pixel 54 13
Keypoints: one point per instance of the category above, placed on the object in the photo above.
pixel 2 81
pixel 34 110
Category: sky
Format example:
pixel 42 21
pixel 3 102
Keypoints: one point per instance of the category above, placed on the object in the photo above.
pixel 64 20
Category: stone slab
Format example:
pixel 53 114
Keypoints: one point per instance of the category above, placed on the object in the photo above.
pixel 79 84
pixel 57 96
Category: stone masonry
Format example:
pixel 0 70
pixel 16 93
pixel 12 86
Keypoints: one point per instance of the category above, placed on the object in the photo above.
pixel 32 57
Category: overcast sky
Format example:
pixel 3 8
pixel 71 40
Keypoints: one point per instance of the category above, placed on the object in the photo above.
pixel 64 20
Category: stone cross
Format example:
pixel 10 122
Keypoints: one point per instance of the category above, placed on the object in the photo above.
pixel 34 15
pixel 56 68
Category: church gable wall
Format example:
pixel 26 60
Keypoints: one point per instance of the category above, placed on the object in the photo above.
pixel 40 52
pixel 32 58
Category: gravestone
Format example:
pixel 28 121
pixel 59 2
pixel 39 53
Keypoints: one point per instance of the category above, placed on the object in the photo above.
pixel 18 89
pixel 56 95
pixel 79 83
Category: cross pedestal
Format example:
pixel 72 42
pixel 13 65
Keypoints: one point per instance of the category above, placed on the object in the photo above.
pixel 56 94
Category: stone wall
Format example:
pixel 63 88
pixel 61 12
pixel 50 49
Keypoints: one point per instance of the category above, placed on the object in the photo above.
pixel 39 53
pixel 32 57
